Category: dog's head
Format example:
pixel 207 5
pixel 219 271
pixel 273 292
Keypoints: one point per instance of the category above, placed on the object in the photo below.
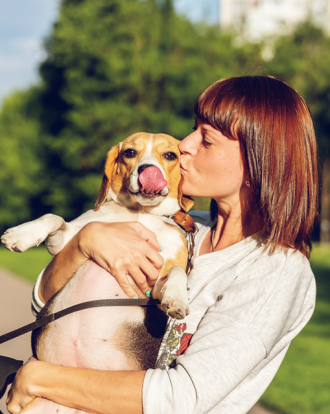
pixel 144 171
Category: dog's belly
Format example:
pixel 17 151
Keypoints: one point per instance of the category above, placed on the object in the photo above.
pixel 110 338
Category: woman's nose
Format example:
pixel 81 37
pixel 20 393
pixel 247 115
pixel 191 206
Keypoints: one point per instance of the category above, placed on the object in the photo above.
pixel 189 144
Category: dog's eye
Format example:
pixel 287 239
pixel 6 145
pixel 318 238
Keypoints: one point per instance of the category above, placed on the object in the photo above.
pixel 170 156
pixel 129 153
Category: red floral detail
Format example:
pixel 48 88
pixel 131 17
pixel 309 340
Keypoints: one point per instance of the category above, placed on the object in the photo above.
pixel 185 341
pixel 180 327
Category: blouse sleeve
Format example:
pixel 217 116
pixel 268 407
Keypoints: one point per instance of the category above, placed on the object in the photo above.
pixel 238 346
pixel 36 303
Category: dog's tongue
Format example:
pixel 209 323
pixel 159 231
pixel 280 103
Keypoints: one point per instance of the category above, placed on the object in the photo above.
pixel 152 180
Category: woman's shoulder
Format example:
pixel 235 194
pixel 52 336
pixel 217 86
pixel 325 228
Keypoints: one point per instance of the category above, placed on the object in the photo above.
pixel 282 268
pixel 291 260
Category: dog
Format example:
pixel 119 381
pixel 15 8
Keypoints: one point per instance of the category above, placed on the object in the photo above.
pixel 141 183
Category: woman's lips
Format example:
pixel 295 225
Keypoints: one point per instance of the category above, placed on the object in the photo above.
pixel 182 169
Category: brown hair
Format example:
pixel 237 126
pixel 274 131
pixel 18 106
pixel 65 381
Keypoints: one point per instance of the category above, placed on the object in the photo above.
pixel 274 127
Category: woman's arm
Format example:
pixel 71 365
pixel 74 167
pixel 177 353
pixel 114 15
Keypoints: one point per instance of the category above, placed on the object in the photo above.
pixel 121 248
pixel 104 392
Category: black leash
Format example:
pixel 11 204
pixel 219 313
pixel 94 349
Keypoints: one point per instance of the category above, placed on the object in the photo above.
pixel 9 366
pixel 80 306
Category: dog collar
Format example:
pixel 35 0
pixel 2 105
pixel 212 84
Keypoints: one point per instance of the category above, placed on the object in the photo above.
pixel 189 229
pixel 183 221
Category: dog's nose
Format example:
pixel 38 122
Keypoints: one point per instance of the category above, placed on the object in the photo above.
pixel 144 167
pixel 151 179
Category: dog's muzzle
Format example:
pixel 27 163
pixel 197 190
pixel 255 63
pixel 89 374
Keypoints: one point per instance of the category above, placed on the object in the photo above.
pixel 148 181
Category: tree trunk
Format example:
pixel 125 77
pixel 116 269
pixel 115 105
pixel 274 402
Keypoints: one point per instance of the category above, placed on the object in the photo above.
pixel 325 203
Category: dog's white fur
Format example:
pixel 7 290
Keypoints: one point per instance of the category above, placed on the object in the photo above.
pixel 121 207
pixel 101 344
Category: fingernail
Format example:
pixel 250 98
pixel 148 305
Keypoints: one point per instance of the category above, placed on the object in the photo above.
pixel 161 247
pixel 134 297
pixel 148 293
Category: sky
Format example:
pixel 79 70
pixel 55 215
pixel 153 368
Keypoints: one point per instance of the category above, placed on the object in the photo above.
pixel 24 24
pixel 197 10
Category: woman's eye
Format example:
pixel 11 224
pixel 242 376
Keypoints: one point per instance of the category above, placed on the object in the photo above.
pixel 170 156
pixel 206 143
pixel 129 153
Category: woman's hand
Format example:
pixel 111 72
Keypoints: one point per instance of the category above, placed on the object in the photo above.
pixel 79 388
pixel 123 249
pixel 21 393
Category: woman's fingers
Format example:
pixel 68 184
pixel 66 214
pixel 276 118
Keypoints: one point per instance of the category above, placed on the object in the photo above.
pixel 124 249
pixel 144 266
pixel 137 266
pixel 125 282
pixel 151 266
pixel 16 405
pixel 18 395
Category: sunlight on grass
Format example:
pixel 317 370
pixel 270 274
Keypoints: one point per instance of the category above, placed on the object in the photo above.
pixel 28 264
pixel 201 204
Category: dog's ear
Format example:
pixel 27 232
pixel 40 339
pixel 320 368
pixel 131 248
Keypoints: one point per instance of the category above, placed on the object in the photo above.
pixel 185 202
pixel 109 166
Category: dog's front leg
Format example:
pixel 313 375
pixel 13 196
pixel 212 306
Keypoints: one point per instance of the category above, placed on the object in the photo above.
pixel 173 293
pixel 32 233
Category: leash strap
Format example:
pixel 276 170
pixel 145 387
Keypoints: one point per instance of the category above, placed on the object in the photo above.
pixel 80 306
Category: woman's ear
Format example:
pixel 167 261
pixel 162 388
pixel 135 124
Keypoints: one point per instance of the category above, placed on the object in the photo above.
pixel 108 170
pixel 185 202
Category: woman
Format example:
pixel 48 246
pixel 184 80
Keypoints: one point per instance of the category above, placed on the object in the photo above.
pixel 253 151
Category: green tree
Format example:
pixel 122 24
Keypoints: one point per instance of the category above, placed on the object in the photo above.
pixel 115 67
pixel 21 177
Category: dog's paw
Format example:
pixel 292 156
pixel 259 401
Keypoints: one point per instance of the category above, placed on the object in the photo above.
pixel 176 308
pixel 20 238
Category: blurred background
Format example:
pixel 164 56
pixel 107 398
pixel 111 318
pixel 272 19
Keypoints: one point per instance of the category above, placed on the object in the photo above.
pixel 78 76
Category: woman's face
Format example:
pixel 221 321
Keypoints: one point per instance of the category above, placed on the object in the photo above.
pixel 211 165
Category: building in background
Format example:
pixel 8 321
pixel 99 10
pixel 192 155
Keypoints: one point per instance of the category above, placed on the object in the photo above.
pixel 256 19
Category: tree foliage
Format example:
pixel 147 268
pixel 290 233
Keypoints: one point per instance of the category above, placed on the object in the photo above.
pixel 303 59
pixel 115 67
pixel 21 178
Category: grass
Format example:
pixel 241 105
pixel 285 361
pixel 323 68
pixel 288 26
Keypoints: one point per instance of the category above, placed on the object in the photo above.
pixel 28 264
pixel 302 384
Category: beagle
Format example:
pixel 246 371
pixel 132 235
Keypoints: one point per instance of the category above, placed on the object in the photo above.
pixel 141 183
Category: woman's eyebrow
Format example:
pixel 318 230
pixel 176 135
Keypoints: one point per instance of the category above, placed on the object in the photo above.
pixel 208 128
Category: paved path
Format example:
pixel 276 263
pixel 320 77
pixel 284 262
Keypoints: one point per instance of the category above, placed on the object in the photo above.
pixel 15 299
pixel 15 311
